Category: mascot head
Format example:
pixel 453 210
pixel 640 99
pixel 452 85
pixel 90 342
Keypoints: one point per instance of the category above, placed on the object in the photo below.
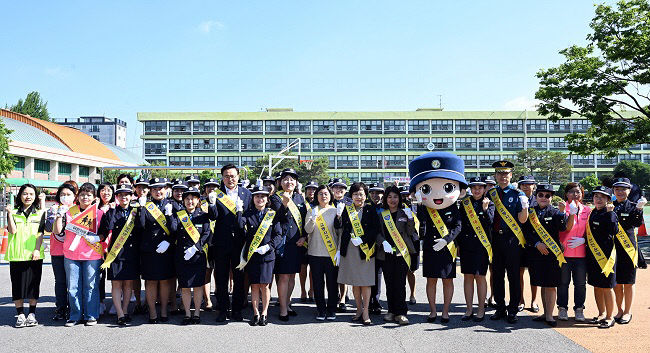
pixel 437 179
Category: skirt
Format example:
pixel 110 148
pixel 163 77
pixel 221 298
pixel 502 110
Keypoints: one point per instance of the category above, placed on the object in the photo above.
pixel 473 261
pixel 124 270
pixel 260 272
pixel 191 273
pixel 544 270
pixel 526 254
pixel 596 278
pixel 25 279
pixel 289 259
pixel 625 270
pixel 157 267
pixel 355 271
pixel 438 264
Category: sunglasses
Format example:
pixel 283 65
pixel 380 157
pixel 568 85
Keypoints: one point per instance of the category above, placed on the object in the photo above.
pixel 544 196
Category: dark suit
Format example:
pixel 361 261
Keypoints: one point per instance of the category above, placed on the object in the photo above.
pixel 126 265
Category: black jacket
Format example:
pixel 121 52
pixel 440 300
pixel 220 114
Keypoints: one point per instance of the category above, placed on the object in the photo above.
pixel 227 238
pixel 151 233
pixel 248 222
pixel 369 223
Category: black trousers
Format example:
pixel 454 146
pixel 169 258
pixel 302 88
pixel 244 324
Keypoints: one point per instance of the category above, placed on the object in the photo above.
pixel 223 264
pixel 395 270
pixel 375 291
pixel 323 271
pixel 506 258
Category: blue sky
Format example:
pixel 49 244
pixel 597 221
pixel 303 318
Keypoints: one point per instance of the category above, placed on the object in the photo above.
pixel 120 57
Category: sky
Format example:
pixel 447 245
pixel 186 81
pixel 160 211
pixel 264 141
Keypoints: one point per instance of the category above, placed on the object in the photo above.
pixel 117 58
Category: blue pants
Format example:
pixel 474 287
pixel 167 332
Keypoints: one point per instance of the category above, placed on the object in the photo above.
pixel 576 267
pixel 83 288
pixel 60 285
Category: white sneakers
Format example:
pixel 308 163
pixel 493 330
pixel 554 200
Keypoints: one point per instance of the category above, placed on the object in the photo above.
pixel 580 316
pixel 562 314
pixel 30 321
pixel 21 321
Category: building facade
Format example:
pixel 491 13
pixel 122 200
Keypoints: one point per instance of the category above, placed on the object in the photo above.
pixel 366 146
pixel 102 129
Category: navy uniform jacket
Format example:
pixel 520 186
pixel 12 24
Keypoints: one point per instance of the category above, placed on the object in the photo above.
pixel 428 231
pixel 114 220
pixel 290 229
pixel 183 239
pixel 552 219
pixel 177 205
pixel 467 237
pixel 629 217
pixel 248 222
pixel 510 199
pixel 369 222
pixel 151 234
pixel 227 238
pixel 604 226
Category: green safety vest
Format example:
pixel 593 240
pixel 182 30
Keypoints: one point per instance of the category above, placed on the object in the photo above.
pixel 21 244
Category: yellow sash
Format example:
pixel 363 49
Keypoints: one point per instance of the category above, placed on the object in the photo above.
pixel 327 236
pixel 226 201
pixel 415 219
pixel 606 265
pixel 190 228
pixel 295 213
pixel 358 230
pixel 74 212
pixel 397 238
pixel 477 226
pixel 546 238
pixel 629 248
pixel 121 239
pixel 258 237
pixel 158 216
pixel 442 229
pixel 506 216
pixel 204 208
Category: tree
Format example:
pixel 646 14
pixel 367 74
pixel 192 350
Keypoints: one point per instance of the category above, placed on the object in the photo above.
pixel 207 174
pixel 110 175
pixel 600 80
pixel 547 166
pixel 637 172
pixel 33 106
pixel 318 170
pixel 7 161
pixel 590 183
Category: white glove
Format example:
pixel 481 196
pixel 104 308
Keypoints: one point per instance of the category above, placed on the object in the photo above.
pixel 337 257
pixel 189 252
pixel 263 249
pixel 418 196
pixel 53 210
pixel 239 204
pixel 573 208
pixel 409 213
pixel 574 242
pixel 168 209
pixel 524 201
pixel 92 239
pixel 212 198
pixel 339 208
pixel 440 244
pixel 142 200
pixel 162 247
pixel 642 201
pixel 314 213
pixel 356 241
pixel 387 248
pixel 62 210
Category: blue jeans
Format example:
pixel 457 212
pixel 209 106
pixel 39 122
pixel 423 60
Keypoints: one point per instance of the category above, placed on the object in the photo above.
pixel 83 288
pixel 60 285
pixel 576 267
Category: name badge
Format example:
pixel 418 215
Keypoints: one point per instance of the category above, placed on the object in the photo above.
pixel 596 223
pixel 448 213
pixel 548 218
pixel 625 214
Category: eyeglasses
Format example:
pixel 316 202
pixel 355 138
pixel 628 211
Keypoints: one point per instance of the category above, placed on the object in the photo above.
pixel 544 196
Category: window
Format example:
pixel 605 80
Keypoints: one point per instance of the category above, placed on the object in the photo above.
pixel 299 127
pixel 20 163
pixel 305 145
pixel 488 126
pixel 578 176
pixel 582 161
pixel 94 128
pixel 65 168
pixel 180 145
pixel 371 144
pixel 155 127
pixel 324 145
pixel 227 127
pixel 251 127
pixel 347 127
pixel 442 143
pixel 465 126
pixel 370 126
pixel 560 126
pixel 607 162
pixel 536 125
pixel 489 144
pixel 395 161
pixel 580 125
pixel 203 127
pixel 332 162
pixel 84 172
pixel 510 126
pixel 275 144
pixel 224 160
pixel 204 161
pixel 227 145
pixel 466 143
pixel 394 144
pixel 180 161
pixel 487 160
pixel 251 145
pixel 249 160
pixel 513 143
pixel 323 126
pixel 470 160
pixel 96 137
pixel 155 148
pixel 418 144
pixel 347 144
pixel 276 127
pixel 629 157
pixel 181 127
pixel 203 145
pixel 347 162
pixel 394 126
pixel 557 143
pixel 442 126
pixel 372 162
pixel 418 126
pixel 371 177
pixel 536 142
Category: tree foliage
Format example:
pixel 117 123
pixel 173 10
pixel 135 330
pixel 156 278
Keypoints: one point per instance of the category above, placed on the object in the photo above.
pixel 546 166
pixel 605 81
pixel 637 172
pixel 33 106
pixel 589 182
pixel 318 170
pixel 7 161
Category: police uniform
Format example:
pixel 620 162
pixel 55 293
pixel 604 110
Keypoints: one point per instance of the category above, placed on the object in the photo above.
pixel 474 259
pixel 529 251
pixel 629 217
pixel 177 184
pixel 604 226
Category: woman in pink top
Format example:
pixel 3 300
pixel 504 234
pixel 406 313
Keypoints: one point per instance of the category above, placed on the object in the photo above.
pixel 573 242
pixel 82 259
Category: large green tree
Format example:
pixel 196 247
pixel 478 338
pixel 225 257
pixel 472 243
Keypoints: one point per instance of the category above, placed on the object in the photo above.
pixel 638 172
pixel 547 166
pixel 317 172
pixel 7 161
pixel 33 106
pixel 605 81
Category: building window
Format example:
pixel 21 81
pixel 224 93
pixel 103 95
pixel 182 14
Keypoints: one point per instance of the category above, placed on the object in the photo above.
pixel 557 143
pixel 372 162
pixel 629 157
pixel 536 142
pixel 347 162
pixel 578 176
pixel 276 126
pixel 273 145
pixel 203 127
pixel 206 145
pixel 466 143
pixel 488 126
pixel 253 145
pixel 155 127
pixel 371 144
pixel 536 125
pixel 607 162
pixel 20 163
pixel 487 160
pixel 582 161
pixel 442 143
pixel 204 161
pixel 84 172
pixel 94 128
pixel 510 126
pixel 470 160
pixel 251 127
pixel 395 161
pixel 249 161
pixel 560 126
pixel 370 126
pixel 372 178
pixel 177 161
pixel 580 125
pixel 180 145
pixel 323 126
pixel 227 145
pixel 347 127
pixel 65 169
pixel 332 162
pixel 299 126
pixel 465 126
pixel 438 126
pixel 418 126
pixel 155 148
pixel 394 144
pixel 179 127
pixel 513 143
pixel 394 126
pixel 489 144
pixel 323 145
pixel 305 145
pixel 418 144
pixel 227 127
pixel 41 166
pixel 347 145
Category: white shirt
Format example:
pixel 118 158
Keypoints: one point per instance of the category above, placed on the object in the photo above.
pixel 233 193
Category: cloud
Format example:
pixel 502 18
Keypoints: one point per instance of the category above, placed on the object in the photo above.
pixel 209 26
pixel 521 103
pixel 58 72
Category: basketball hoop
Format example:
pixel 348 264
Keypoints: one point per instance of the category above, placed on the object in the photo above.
pixel 307 162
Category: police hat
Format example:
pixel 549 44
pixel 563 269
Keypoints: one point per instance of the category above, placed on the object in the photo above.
pixel 527 179
pixel 211 182
pixel 124 188
pixel 179 184
pixel 141 181
pixel 338 182
pixel 404 190
pixel 437 165
pixel 157 182
pixel 489 180
pixel 624 182
pixel 192 191
pixel 269 178
pixel 376 187
pixel 192 179
pixel 262 190
pixel 603 190
pixel 289 171
pixel 476 181
pixel 545 188
pixel 311 184
pixel 503 166
pixel 168 182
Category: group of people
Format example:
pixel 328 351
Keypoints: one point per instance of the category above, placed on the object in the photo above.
pixel 177 235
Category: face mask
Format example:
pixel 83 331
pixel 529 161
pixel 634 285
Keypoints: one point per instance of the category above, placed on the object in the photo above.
pixel 67 200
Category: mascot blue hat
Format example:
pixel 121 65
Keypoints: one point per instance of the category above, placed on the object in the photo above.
pixel 437 165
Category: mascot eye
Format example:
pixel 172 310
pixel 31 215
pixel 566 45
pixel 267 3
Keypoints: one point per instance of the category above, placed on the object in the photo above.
pixel 425 189
pixel 449 188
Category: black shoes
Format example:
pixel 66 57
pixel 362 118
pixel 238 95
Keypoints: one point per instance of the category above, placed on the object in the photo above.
pixel 153 321
pixel 512 318
pixel 186 321
pixel 221 317
pixel 431 319
pixel 263 321
pixel 291 312
pixel 254 320
pixel 467 317
pixel 498 315
pixel 121 321
pixel 341 308
pixel 236 316
pixel 284 318
pixel 444 320
pixel 606 324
